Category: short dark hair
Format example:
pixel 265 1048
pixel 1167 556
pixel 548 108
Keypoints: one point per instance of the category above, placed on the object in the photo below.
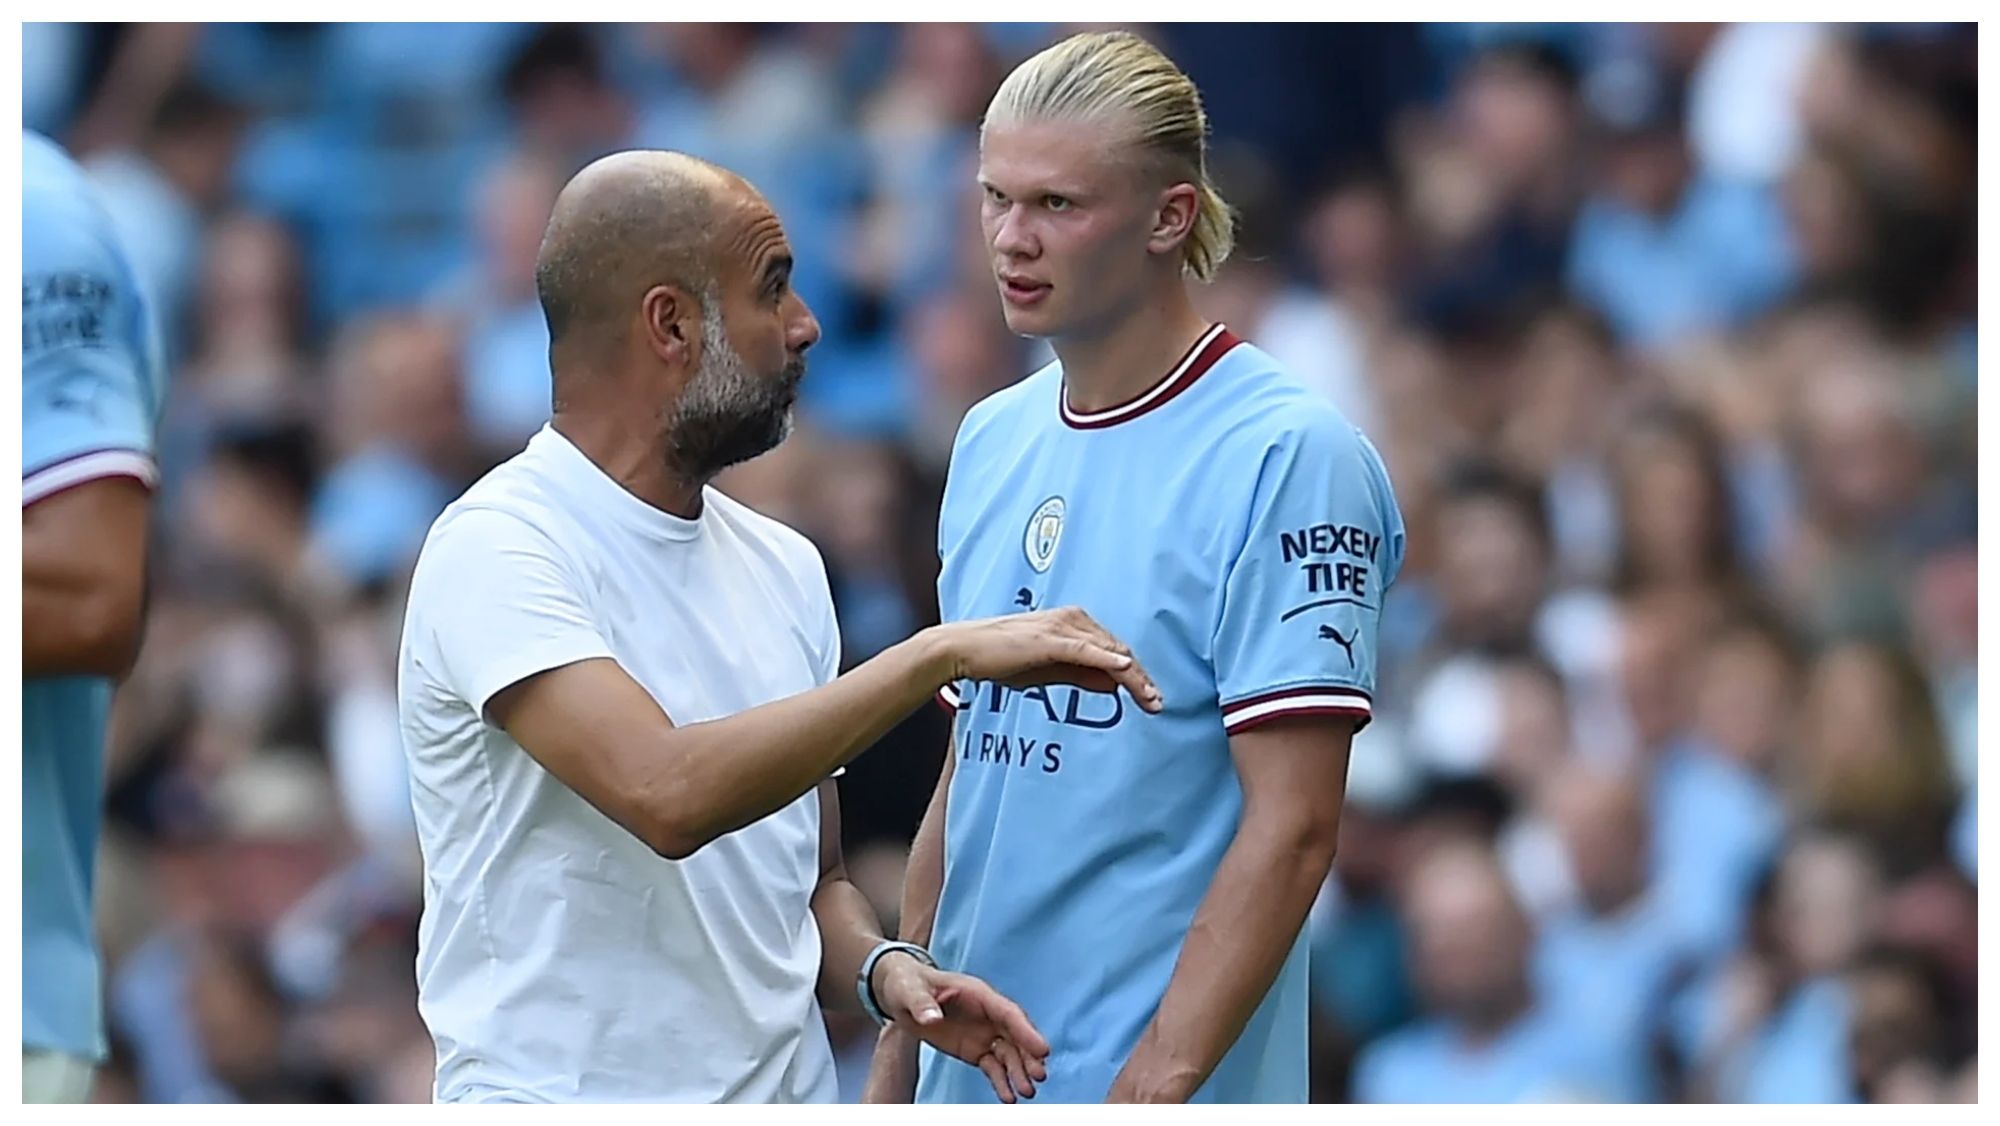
pixel 555 50
pixel 1479 479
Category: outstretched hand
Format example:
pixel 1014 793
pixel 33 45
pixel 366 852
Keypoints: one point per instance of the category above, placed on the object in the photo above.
pixel 1063 646
pixel 964 1017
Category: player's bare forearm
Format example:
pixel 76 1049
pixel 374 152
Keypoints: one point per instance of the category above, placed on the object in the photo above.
pixel 923 876
pixel 1294 775
pixel 83 556
pixel 750 764
pixel 848 928
pixel 677 788
pixel 892 1077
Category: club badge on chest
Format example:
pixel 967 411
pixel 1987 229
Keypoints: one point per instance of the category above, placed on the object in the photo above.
pixel 1043 534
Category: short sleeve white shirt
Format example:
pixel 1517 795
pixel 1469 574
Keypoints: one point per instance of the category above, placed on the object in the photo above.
pixel 559 958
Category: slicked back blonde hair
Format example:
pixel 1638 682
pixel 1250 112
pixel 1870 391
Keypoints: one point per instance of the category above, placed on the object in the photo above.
pixel 1117 76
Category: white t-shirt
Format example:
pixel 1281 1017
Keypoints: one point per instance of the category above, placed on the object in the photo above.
pixel 559 958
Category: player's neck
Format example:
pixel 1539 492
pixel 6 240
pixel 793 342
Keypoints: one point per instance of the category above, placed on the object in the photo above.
pixel 1104 369
pixel 632 457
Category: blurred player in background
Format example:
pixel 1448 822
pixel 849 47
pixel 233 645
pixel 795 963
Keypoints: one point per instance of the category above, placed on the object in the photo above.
pixel 92 382
pixel 619 697
pixel 1139 883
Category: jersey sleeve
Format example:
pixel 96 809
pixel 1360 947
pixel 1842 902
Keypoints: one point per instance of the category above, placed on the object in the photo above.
pixel 90 362
pixel 498 604
pixel 1302 598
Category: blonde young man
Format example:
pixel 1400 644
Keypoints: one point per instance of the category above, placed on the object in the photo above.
pixel 1139 882
pixel 619 699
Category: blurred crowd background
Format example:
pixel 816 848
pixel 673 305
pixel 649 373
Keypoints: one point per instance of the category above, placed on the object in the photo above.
pixel 1667 334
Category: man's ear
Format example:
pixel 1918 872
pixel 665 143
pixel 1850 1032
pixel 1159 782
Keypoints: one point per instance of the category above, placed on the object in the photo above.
pixel 1174 218
pixel 671 322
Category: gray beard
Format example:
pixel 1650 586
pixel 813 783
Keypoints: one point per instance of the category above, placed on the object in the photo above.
pixel 727 414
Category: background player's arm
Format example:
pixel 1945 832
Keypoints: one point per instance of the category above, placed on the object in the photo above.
pixel 677 788
pixel 89 372
pixel 892 1077
pixel 1294 776
pixel 83 578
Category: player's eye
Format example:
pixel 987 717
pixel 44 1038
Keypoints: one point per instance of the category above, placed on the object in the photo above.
pixel 995 196
pixel 1056 203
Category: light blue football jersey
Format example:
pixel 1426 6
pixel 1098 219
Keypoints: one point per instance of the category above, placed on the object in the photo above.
pixel 91 387
pixel 1237 532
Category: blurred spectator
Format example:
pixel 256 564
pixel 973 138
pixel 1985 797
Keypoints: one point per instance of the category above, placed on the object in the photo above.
pixel 1322 332
pixel 1871 757
pixel 508 388
pixel 566 111
pixel 1664 250
pixel 1489 1037
pixel 1612 961
pixel 1491 195
pixel 1773 1025
pixel 1896 1044
pixel 160 191
pixel 1716 812
pixel 397 444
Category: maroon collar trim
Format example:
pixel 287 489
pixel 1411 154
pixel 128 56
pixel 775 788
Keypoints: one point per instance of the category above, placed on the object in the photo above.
pixel 1213 345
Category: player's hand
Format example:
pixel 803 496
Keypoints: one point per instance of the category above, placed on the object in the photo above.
pixel 964 1017
pixel 1064 646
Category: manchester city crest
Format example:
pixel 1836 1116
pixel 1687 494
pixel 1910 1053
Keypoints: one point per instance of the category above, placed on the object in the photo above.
pixel 1044 532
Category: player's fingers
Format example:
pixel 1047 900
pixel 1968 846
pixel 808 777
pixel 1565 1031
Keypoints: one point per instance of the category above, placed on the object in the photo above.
pixel 996 1074
pixel 1016 1027
pixel 1017 1070
pixel 1120 667
pixel 1105 637
pixel 1139 683
pixel 1127 671
pixel 1079 648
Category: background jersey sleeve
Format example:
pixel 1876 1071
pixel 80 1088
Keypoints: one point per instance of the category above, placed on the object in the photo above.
pixel 1302 599
pixel 90 364
pixel 499 604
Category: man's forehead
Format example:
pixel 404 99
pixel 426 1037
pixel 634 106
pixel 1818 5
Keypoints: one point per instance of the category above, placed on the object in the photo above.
pixel 1051 156
pixel 754 233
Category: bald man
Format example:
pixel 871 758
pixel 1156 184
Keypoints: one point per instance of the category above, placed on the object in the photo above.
pixel 619 699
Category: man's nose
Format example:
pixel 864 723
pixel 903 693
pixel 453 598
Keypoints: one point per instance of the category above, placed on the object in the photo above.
pixel 804 330
pixel 1011 236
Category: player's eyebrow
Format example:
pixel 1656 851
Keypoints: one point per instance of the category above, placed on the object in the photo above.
pixel 1037 191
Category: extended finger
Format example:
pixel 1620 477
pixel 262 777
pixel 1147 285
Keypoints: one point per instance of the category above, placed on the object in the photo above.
pixel 1015 1025
pixel 996 1074
pixel 1122 668
pixel 1105 637
pixel 1132 675
pixel 1017 1071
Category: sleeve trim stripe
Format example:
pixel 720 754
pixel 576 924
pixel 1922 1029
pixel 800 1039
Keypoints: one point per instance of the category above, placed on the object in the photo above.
pixel 89 466
pixel 947 697
pixel 1295 692
pixel 1295 702
pixel 1239 726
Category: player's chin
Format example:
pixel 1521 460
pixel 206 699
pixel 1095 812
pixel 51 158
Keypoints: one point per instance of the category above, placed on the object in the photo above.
pixel 1029 321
